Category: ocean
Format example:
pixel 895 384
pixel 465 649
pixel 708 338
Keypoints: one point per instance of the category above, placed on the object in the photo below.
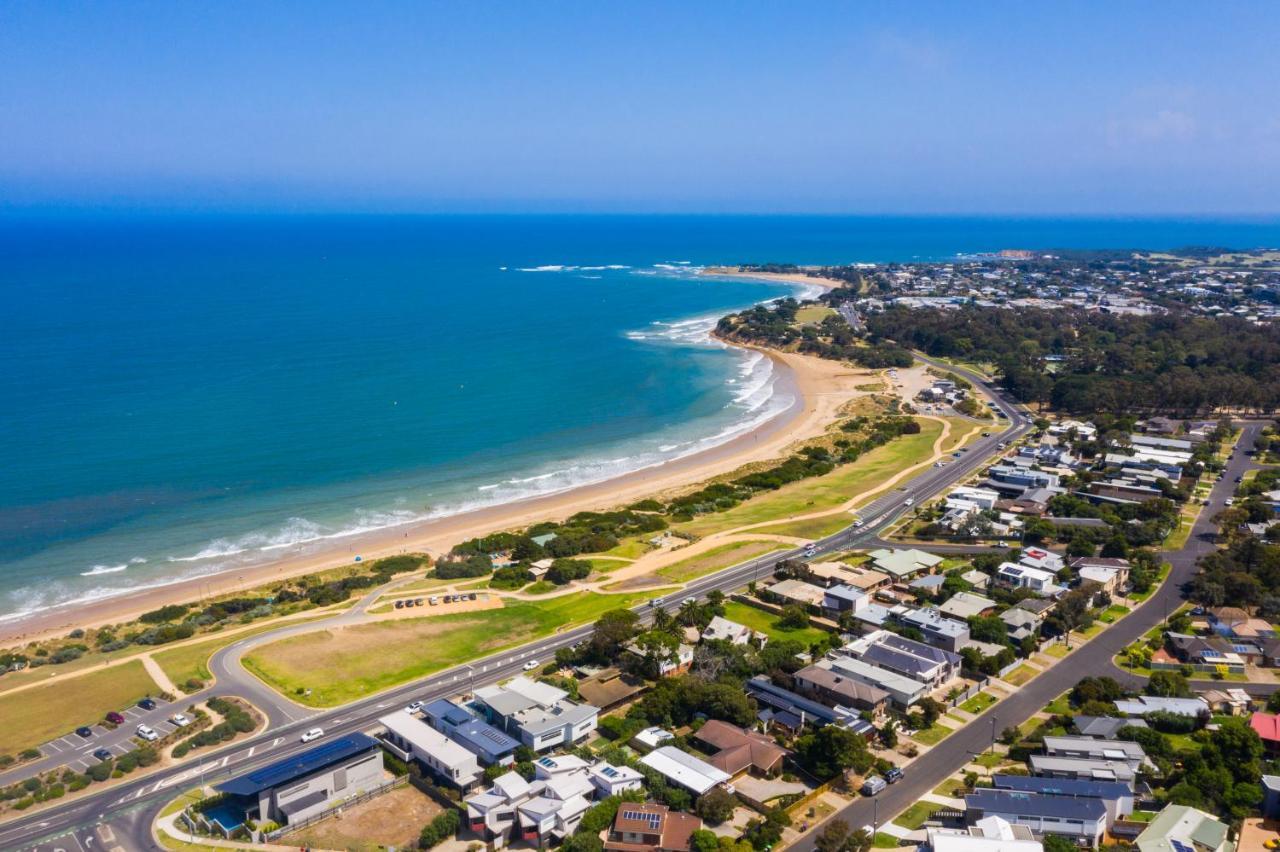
pixel 182 395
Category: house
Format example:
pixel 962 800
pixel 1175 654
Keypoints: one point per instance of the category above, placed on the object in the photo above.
pixel 651 738
pixel 866 579
pixel 610 780
pixel 610 688
pixel 541 716
pixel 982 498
pixel 838 599
pixel 1045 560
pixel 309 783
pixel 916 660
pixel 1095 749
pixel 543 811
pixel 826 574
pixel 638 828
pixel 685 770
pixel 1144 704
pixel 989 834
pixel 1015 576
pixel 1117 798
pixel 737 751
pixel 475 735
pixel 1104 727
pixel 929 584
pixel 901 564
pixel 1270 796
pixel 1267 726
pixel 1180 828
pixel 1083 768
pixel 540 568
pixel 978 579
pixel 797 592
pixel 937 630
pixel 965 605
pixel 680 660
pixel 1084 431
pixel 838 690
pixel 721 629
pixel 1225 619
pixel 903 691
pixel 792 711
pixel 411 739
pixel 1079 819
pixel 1228 702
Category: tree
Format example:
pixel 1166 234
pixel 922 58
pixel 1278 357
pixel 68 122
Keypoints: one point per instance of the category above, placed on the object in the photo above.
pixel 1058 843
pixel 703 840
pixel 1168 685
pixel 832 836
pixel 612 631
pixel 716 805
pixel 793 617
pixel 830 750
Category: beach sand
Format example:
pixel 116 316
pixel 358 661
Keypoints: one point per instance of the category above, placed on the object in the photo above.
pixel 821 389
pixel 776 277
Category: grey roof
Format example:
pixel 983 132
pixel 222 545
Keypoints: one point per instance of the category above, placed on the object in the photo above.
pixel 1094 747
pixel 920 649
pixel 1032 804
pixel 539 721
pixel 847 687
pixel 934 622
pixel 898 661
pixel 1063 786
pixel 1151 704
pixel 1104 727
pixel 311 760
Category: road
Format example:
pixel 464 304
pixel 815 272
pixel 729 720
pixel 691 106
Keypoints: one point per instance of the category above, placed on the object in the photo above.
pixel 128 808
pixel 1094 657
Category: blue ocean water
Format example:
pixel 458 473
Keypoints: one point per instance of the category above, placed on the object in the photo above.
pixel 182 395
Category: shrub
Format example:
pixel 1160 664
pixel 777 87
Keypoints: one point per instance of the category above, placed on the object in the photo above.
pixel 439 829
pixel 163 614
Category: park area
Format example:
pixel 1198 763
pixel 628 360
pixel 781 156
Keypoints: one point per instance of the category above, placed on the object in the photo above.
pixel 351 662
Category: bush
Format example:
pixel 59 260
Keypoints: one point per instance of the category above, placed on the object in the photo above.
pixel 30 753
pixel 163 614
pixel 439 829
pixel 100 771
pixel 716 805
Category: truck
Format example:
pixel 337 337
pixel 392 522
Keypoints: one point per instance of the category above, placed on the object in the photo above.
pixel 874 784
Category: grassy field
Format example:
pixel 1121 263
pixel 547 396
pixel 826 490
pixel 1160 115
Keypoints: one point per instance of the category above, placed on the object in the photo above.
pixel 41 713
pixel 824 492
pixel 915 816
pixel 934 734
pixel 766 622
pixel 343 665
pixel 183 663
pixel 951 787
pixel 978 703
pixel 605 564
pixel 630 548
pixel 717 558
pixel 813 314
pixel 1187 515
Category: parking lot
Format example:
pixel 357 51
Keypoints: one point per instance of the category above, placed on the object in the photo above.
pixel 76 752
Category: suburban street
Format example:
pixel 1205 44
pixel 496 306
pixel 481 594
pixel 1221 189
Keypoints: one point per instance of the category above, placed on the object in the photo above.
pixel 127 809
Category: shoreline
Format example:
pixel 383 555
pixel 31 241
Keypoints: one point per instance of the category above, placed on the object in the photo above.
pixel 775 277
pixel 819 389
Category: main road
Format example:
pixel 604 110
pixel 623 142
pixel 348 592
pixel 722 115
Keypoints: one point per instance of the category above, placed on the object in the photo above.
pixel 127 809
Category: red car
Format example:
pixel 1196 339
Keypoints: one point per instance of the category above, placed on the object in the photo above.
pixel 115 718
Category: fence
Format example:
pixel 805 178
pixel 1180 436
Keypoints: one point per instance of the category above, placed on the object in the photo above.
pixel 398 781
pixel 957 700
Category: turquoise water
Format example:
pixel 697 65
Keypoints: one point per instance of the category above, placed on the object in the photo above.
pixel 182 396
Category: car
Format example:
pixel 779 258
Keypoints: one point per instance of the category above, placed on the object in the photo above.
pixel 986 434
pixel 531 665
pixel 147 704
pixel 910 501
pixel 857 523
pixel 937 464
pixel 1239 479
pixel 417 601
pixel 180 720
pixel 413 707
pixel 312 735
pixel 956 455
pixel 471 596
pixel 115 718
pixel 399 604
pixel 448 598
pixel 434 600
pixel 690 600
pixel 85 731
pixel 148 733
pixel 893 775
pixel 102 754
pixel 1229 501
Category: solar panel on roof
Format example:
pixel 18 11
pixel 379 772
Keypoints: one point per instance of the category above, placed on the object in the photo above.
pixel 609 772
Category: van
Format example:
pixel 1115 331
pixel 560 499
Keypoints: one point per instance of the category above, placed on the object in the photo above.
pixel 873 785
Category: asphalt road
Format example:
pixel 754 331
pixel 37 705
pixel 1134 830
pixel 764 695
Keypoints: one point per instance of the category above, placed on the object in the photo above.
pixel 1094 657
pixel 128 809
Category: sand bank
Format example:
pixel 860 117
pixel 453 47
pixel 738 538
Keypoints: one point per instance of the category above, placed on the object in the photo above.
pixel 820 389
pixel 777 277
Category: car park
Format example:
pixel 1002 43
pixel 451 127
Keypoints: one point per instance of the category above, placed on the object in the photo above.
pixel 180 720
pixel 102 754
pixel 312 735
pixel 147 704
pixel 148 733
pixel 115 718
pixel 85 731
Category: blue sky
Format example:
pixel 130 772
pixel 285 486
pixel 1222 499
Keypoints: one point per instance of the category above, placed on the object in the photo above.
pixel 1010 108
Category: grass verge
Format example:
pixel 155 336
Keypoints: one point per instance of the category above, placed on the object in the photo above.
pixel 717 558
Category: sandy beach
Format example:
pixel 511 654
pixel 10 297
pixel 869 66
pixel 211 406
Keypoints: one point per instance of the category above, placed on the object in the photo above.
pixel 820 388
pixel 776 277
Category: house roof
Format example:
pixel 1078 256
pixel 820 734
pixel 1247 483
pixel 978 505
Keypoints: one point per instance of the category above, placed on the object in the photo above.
pixel 312 760
pixel 1063 786
pixel 674 829
pixel 854 690
pixel 685 769
pixel 1151 704
pixel 965 605
pixel 1033 804
pixel 1104 726
pixel 902 563
pixel 1178 828
pixel 737 749
pixel 1267 725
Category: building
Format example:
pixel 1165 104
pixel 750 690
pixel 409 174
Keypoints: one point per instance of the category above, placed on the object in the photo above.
pixel 982 498
pixel 792 711
pixel 937 630
pixel 1117 798
pixel 543 811
pixel 1021 623
pixel 1081 768
pixel 306 784
pixel 965 605
pixel 680 660
pixel 1045 560
pixel 838 599
pixel 1267 726
pixel 411 739
pixel 539 714
pixel 641 828
pixel 477 736
pixel 1104 727
pixel 1015 576
pixel 1144 704
pixel 797 592
pixel 737 751
pixel 685 770
pixel 651 738
pixel 978 579
pixel 721 629
pixel 903 691
pixel 1179 828
pixel 901 564
pixel 989 834
pixel 838 690
pixel 1130 753
pixel 916 660
pixel 1079 819
pixel 610 780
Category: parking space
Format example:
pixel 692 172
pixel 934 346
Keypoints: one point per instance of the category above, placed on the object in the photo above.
pixel 76 751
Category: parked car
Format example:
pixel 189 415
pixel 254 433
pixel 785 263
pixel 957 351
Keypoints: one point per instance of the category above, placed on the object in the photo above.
pixel 472 596
pixel 180 720
pixel 413 707
pixel 85 731
pixel 102 754
pixel 417 601
pixel 148 733
pixel 873 785
pixel 147 704
pixel 399 604
pixel 434 600
pixel 115 718
pixel 531 665
pixel 313 735
pixel 893 775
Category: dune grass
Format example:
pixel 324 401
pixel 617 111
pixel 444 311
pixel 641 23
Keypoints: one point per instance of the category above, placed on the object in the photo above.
pixel 346 664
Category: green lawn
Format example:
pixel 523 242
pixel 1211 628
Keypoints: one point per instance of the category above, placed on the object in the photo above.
pixel 1020 675
pixel 813 314
pixel 1057 649
pixel 605 564
pixel 884 841
pixel 824 492
pixel 630 548
pixel 1113 613
pixel 1092 630
pixel 989 759
pixel 914 817
pixel 766 622
pixel 342 665
pixel 717 558
pixel 541 587
pixel 191 661
pixel 41 713
pixel 933 735
pixel 952 788
pixel 1059 706
pixel 978 703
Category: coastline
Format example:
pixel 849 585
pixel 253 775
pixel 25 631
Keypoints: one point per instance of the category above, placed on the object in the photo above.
pixel 819 389
pixel 775 277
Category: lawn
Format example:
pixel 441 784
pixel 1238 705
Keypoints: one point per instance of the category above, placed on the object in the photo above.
pixel 1187 515
pixel 630 548
pixel 1020 675
pixel 989 759
pixel 1113 613
pixel 191 661
pixel 914 817
pixel 541 587
pixel 41 713
pixel 717 558
pixel 605 564
pixel 1057 649
pixel 952 788
pixel 883 840
pixel 825 492
pixel 978 703
pixel 766 622
pixel 1059 706
pixel 813 314
pixel 342 665
pixel 933 734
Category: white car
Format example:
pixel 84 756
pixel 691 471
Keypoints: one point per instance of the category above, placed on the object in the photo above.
pixel 910 501
pixel 312 735
pixel 148 733
pixel 180 720
pixel 531 665
pixel 414 707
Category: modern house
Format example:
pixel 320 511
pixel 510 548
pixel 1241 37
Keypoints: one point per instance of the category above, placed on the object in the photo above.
pixel 477 736
pixel 610 780
pixel 792 711
pixel 1103 727
pixel 641 828
pixel 903 691
pixel 1082 768
pixel 411 739
pixel 1130 753
pixel 685 770
pixel 541 811
pixel 539 714
pixel 937 629
pixel 1117 798
pixel 842 598
pixel 1179 828
pixel 839 690
pixel 1045 560
pixel 309 783
pixel 1016 576
pixel 1079 819
pixel 989 834
pixel 1021 623
pixel 916 660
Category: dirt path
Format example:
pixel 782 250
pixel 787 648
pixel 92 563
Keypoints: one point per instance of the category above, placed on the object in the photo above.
pixel 158 675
